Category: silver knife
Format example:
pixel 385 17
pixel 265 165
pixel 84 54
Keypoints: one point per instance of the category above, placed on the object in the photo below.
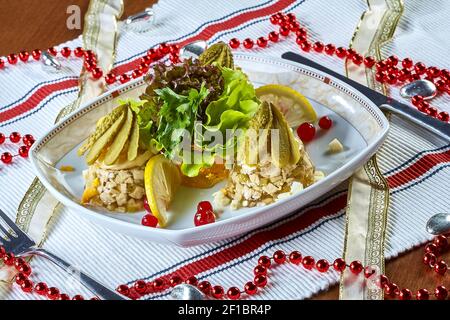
pixel 438 127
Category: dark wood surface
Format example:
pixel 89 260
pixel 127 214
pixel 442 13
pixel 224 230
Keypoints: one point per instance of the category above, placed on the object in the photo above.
pixel 30 24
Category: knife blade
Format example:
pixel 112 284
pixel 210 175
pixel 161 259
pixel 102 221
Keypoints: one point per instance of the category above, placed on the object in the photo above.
pixel 440 128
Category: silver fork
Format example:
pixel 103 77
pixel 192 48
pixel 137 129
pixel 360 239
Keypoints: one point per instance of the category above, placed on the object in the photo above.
pixel 15 241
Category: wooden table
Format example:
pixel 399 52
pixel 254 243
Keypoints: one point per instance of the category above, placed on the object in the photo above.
pixel 27 24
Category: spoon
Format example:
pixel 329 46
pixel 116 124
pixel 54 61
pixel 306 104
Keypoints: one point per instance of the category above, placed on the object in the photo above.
pixel 424 88
pixel 193 49
pixel 50 62
pixel 186 292
pixel 439 224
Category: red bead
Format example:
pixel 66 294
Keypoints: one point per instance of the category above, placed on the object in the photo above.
pixel 414 77
pixel 357 59
pixel 325 123
pixel 250 288
pixel 217 292
pixel 420 68
pixel 392 289
pixel 393 70
pixel 264 261
pixel 392 60
pixel 445 74
pixel 305 46
pixel 6 157
pixel 260 280
pixel 295 257
pixel 308 262
pixel 123 289
pixel 322 265
pixel 52 51
pixel 192 281
pixel 441 242
pixel 417 100
pixel 23 56
pixel 262 42
pixel 64 296
pixel 284 31
pixel 404 75
pixel 259 269
pixel 12 58
pixel 234 43
pixel 174 49
pixel 391 78
pixel 2 138
pixel 163 48
pixel 53 293
pixel 28 140
pixel 27 286
pixel 433 72
pixel 432 112
pixel 405 294
pixel 158 284
pixel 369 272
pixel 89 54
pixel 294 26
pixel 136 73
pixel 233 293
pixel 14 137
pixel 124 78
pixel 97 73
pixel 440 268
pixel 339 265
pixel 152 53
pixel 174 58
pixel 351 53
pixel 279 257
pixel 443 116
pixel 204 217
pixel 140 286
pixel 18 262
pixel 274 36
pixel 291 17
pixel 300 39
pixel 248 43
pixel 78 52
pixel 36 54
pixel 429 259
pixel 9 259
pixel 441 293
pixel 422 294
pixel 175 280
pixel 20 278
pixel 25 269
pixel 65 52
pixel 78 297
pixel 143 67
pixel 110 78
pixel 3 252
pixel 318 46
pixel 356 267
pixel 274 19
pixel 330 49
pixel 369 62
pixel 441 85
pixel 2 63
pixel 89 65
pixel 149 221
pixel 301 32
pixel 341 52
pixel 431 248
pixel 382 281
pixel 423 106
pixel 204 287
pixel 306 131
pixel 41 288
pixel 407 63
pixel 381 66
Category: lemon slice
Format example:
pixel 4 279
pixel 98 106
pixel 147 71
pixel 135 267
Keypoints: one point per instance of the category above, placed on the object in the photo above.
pixel 295 107
pixel 162 179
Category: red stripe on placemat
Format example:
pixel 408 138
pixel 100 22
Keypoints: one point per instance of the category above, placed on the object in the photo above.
pixel 212 29
pixel 418 168
pixel 260 238
pixel 39 95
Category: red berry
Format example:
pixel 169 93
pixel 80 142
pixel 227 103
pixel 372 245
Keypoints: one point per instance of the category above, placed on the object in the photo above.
pixel 264 261
pixel 325 123
pixel 234 43
pixel 356 267
pixel 260 281
pixel 149 221
pixel 322 265
pixel 217 292
pixel 41 288
pixel 248 43
pixel 262 42
pixel 295 257
pixel 339 265
pixel 204 206
pixel 306 131
pixel 250 288
pixel 6 157
pixel 204 287
pixel 274 36
pixel 279 257
pixel 146 205
pixel 53 293
pixel 308 262
pixel 14 137
pixel 202 218
pixel 233 293
pixel 65 52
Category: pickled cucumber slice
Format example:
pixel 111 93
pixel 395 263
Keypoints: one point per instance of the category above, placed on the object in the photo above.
pixel 134 140
pixel 120 139
pixel 281 149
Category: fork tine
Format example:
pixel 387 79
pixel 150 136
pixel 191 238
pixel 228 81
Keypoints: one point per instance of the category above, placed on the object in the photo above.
pixel 6 232
pixel 11 223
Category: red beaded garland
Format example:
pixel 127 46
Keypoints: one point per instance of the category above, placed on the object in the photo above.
pixel 233 293
pixel 341 52
pixel 441 293
pixel 356 267
pixel 110 78
pixel 318 46
pixel 23 56
pixel 250 288
pixel 308 262
pixel 78 52
pixel 405 294
pixel 339 265
pixel 284 31
pixel 391 289
pixel 65 52
pixel 123 289
pixel 6 157
pixel 322 265
pixel 97 73
pixel 441 242
pixel 205 287
pixel 279 257
pixel 192 281
pixel 52 51
pixel 330 49
pixel 2 138
pixel 274 36
pixel 53 293
pixel 262 42
pixel 41 288
pixel 440 267
pixel 295 257
pixel 260 280
pixel 20 278
pixel 429 259
pixel 259 269
pixel 248 43
pixel 12 58
pixel 27 286
pixel 234 43
pixel 369 62
pixel 217 292
pixel 14 137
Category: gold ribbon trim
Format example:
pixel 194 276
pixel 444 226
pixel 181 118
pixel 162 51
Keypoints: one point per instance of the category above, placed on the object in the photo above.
pixel 368 197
